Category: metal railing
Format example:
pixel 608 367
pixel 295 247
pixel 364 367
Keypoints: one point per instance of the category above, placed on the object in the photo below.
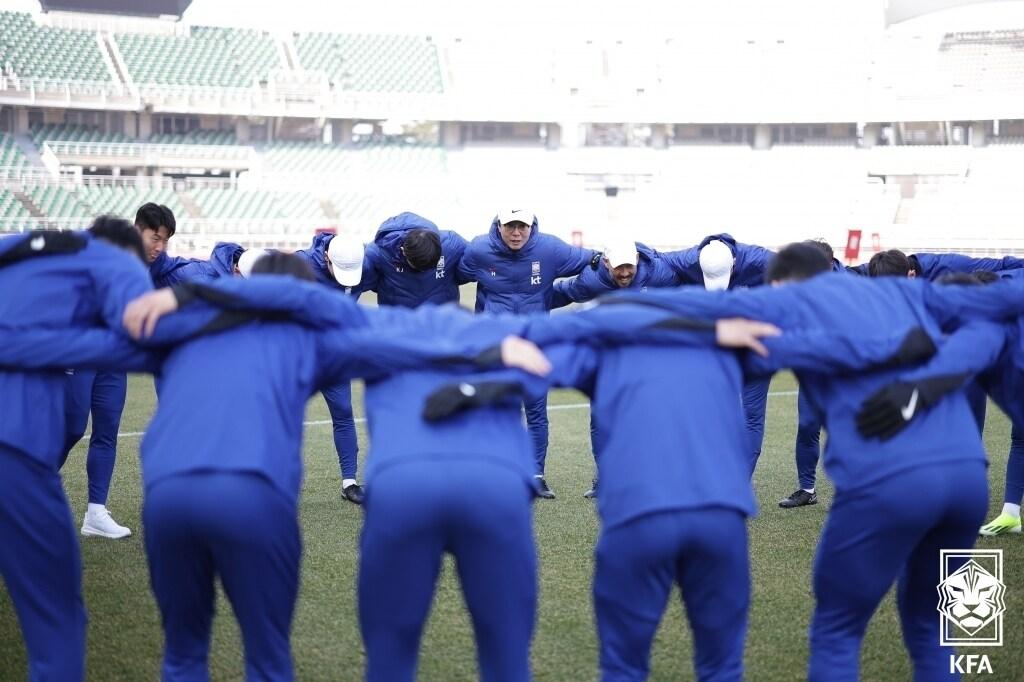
pixel 153 154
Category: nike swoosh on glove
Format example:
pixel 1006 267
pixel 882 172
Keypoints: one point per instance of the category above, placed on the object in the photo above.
pixel 455 398
pixel 888 411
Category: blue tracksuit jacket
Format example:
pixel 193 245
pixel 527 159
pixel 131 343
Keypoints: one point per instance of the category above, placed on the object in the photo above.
pixel 519 281
pixel 386 272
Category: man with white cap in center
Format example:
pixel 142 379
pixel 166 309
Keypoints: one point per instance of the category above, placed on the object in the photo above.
pixel 515 266
pixel 337 262
pixel 627 264
pixel 718 263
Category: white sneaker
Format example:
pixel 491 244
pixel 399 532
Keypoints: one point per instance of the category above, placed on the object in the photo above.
pixel 101 524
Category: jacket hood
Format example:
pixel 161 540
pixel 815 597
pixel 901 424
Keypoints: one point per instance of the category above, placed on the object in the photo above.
pixel 224 256
pixel 392 231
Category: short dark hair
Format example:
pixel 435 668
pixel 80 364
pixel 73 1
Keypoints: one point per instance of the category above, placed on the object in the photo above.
pixel 278 263
pixel 891 263
pixel 797 262
pixel 825 247
pixel 118 232
pixel 422 249
pixel 969 278
pixel 152 216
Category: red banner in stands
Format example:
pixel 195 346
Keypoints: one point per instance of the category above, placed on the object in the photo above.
pixel 853 245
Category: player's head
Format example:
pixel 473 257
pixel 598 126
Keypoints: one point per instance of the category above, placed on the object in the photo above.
pixel 621 258
pixel 823 245
pixel 891 263
pixel 797 262
pixel 716 262
pixel 155 222
pixel 515 226
pixel 277 263
pixel 421 249
pixel 120 233
pixel 345 259
pixel 247 259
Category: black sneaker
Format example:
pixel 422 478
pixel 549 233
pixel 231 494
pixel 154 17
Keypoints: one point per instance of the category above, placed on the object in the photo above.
pixel 542 488
pixel 353 493
pixel 799 499
pixel 592 493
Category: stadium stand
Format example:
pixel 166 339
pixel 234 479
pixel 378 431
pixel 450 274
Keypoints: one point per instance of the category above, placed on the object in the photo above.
pixel 57 202
pixel 209 56
pixel 31 51
pixel 125 201
pixel 984 60
pixel 354 61
pixel 314 157
pixel 10 153
pixel 73 133
pixel 195 137
pixel 10 206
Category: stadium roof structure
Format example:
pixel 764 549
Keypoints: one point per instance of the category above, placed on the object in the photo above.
pixel 135 8
pixel 897 11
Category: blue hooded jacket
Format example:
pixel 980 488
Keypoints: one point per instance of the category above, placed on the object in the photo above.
pixel 386 272
pixel 260 373
pixel 652 271
pixel 519 281
pixel 167 270
pixel 90 287
pixel 747 270
pixel 849 306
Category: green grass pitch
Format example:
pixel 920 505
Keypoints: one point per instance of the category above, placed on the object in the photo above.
pixel 125 638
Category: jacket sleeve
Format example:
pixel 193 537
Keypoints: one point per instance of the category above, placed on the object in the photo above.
pixel 467 269
pixel 307 303
pixel 950 303
pixel 570 259
pixel 939 264
pixel 369 277
pixel 826 352
pixel 458 247
pixel 400 339
pixel 620 324
pixel 969 350
pixel 572 290
pixel 86 348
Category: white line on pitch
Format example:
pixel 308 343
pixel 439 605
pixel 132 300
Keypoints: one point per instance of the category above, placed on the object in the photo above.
pixel 359 420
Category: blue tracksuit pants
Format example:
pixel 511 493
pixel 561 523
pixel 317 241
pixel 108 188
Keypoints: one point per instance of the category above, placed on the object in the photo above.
pixel 537 424
pixel 891 532
pixel 755 404
pixel 480 513
pixel 102 394
pixel 42 567
pixel 704 551
pixel 1014 491
pixel 236 526
pixel 808 442
pixel 977 399
pixel 339 404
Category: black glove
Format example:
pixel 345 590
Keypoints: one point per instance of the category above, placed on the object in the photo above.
pixel 892 407
pixel 917 347
pixel 455 398
pixel 596 260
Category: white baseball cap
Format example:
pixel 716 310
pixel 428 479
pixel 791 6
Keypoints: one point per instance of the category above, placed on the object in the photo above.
pixel 716 261
pixel 346 255
pixel 509 215
pixel 620 249
pixel 248 259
